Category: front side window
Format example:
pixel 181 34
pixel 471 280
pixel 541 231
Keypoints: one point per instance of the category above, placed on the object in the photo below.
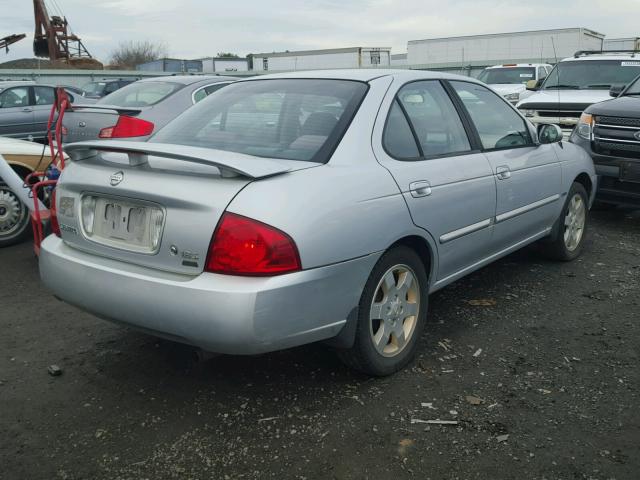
pixel 141 94
pixel 507 75
pixel 498 125
pixel 592 74
pixel 434 119
pixel 14 97
pixel 296 119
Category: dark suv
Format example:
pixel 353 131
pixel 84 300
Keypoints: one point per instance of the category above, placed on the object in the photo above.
pixel 103 88
pixel 610 132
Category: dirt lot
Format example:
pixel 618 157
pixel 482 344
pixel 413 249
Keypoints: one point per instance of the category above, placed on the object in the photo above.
pixel 542 379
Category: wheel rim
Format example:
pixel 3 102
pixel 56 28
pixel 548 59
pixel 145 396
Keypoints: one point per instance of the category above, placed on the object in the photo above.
pixel 394 310
pixel 12 212
pixel 574 222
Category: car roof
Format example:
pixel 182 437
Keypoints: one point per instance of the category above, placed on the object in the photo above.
pixel 188 79
pixel 364 75
pixel 514 65
pixel 609 56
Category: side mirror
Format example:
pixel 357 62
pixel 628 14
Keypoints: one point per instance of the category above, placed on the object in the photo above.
pixel 533 85
pixel 548 133
pixel 616 90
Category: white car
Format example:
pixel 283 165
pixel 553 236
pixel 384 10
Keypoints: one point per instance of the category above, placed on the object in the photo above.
pixel 510 80
pixel 576 83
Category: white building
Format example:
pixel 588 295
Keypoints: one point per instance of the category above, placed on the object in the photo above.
pixel 355 57
pixel 399 60
pixel 224 65
pixel 631 43
pixel 542 46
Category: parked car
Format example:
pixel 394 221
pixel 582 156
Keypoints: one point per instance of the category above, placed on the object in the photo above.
pixel 137 110
pixel 610 132
pixel 574 84
pixel 510 80
pixel 25 109
pixel 24 157
pixel 309 206
pixel 103 88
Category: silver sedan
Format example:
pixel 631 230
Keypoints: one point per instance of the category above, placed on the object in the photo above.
pixel 312 206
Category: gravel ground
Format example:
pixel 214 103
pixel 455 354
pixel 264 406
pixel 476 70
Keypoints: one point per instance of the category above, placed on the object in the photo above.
pixel 536 361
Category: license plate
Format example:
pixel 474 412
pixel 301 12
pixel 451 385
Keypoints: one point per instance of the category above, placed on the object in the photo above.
pixel 630 172
pixel 122 224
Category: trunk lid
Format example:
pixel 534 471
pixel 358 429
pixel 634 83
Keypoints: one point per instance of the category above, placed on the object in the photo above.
pixel 84 122
pixel 150 204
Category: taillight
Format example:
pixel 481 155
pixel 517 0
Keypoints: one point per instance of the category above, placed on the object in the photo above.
pixel 243 246
pixel 55 226
pixel 127 127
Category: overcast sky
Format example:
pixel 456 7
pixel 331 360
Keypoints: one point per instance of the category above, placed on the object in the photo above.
pixel 198 28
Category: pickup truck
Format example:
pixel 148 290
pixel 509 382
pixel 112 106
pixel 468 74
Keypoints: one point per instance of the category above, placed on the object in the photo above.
pixel 610 132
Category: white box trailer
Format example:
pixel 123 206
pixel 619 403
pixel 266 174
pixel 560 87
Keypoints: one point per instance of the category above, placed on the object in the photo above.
pixel 355 57
pixel 224 65
pixel 517 47
pixel 630 43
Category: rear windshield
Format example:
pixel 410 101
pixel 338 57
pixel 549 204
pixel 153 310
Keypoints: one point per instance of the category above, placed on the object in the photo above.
pixel 94 88
pixel 507 75
pixel 140 94
pixel 295 119
pixel 592 74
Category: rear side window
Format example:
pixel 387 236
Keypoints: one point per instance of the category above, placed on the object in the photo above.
pixel 397 138
pixel 297 119
pixel 141 94
pixel 498 125
pixel 44 95
pixel 431 120
pixel 204 92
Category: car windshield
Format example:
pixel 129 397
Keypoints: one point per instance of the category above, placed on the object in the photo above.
pixel 141 94
pixel 295 119
pixel 592 74
pixel 94 88
pixel 507 75
pixel 634 88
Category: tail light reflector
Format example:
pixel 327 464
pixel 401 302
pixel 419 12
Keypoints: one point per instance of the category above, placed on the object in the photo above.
pixel 243 246
pixel 127 127
pixel 55 226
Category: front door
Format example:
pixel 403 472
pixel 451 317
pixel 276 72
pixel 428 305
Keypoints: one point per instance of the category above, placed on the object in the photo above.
pixel 528 175
pixel 447 183
pixel 16 113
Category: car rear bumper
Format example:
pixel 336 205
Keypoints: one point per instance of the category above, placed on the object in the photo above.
pixel 219 313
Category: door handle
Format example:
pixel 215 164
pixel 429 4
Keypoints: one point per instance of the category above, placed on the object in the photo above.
pixel 421 188
pixel 503 172
pixel 27 109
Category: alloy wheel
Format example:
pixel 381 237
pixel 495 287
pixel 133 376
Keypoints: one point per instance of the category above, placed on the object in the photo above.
pixel 12 212
pixel 574 222
pixel 394 310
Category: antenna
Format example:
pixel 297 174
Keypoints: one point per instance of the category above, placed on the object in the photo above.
pixel 555 55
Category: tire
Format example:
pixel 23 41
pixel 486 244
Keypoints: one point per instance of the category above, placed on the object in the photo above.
pixel 572 226
pixel 394 300
pixel 14 217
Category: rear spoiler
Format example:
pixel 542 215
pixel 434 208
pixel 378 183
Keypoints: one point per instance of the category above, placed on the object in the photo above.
pixel 231 164
pixel 110 108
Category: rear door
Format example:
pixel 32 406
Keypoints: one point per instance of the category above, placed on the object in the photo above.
pixel 44 99
pixel 16 113
pixel 446 181
pixel 528 175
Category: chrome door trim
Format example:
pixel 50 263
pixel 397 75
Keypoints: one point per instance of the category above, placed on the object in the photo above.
pixel 447 237
pixel 527 208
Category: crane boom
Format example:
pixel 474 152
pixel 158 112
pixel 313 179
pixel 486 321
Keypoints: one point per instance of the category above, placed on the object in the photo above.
pixel 8 40
pixel 52 38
